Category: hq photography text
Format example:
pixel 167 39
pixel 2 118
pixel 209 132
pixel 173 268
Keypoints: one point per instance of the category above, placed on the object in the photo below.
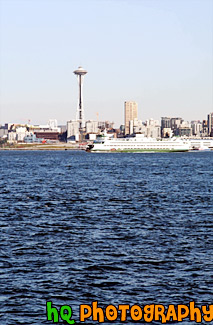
pixel 126 313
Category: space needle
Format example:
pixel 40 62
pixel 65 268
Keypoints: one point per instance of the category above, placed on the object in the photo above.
pixel 80 72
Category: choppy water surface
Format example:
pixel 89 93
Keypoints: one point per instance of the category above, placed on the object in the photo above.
pixel 118 228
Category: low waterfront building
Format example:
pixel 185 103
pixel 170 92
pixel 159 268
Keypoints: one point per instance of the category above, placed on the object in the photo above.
pixel 31 138
pixel 47 135
pixel 91 136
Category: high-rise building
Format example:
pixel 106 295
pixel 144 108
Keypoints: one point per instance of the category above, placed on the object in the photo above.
pixel 176 122
pixel 91 126
pixel 130 113
pixel 166 130
pixel 165 122
pixel 205 128
pixel 102 125
pixel 171 125
pixel 196 128
pixel 72 130
pixel 210 124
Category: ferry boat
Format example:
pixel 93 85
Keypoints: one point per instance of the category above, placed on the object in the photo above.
pixel 138 143
pixel 205 144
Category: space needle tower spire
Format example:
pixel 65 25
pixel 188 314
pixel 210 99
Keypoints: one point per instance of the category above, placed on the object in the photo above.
pixel 80 72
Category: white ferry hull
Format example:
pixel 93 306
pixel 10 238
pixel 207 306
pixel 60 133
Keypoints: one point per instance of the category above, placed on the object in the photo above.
pixel 139 145
pixel 140 150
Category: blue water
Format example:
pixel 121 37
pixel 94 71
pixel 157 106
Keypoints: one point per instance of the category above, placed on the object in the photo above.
pixel 78 227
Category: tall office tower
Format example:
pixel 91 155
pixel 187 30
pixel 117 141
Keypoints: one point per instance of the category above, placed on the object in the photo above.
pixel 72 130
pixel 165 126
pixel 91 126
pixel 165 122
pixel 210 124
pixel 80 72
pixel 196 128
pixel 130 113
pixel 205 128
pixel 175 122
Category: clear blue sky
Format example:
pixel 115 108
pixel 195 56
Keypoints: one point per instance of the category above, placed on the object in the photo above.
pixel 156 52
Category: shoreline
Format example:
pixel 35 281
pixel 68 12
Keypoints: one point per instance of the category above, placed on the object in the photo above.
pixel 20 147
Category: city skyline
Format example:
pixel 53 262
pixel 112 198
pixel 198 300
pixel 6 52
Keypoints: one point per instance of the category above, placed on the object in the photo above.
pixel 157 53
